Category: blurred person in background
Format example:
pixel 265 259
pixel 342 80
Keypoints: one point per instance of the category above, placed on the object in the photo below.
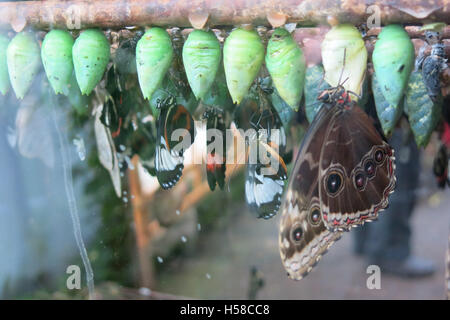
pixel 387 242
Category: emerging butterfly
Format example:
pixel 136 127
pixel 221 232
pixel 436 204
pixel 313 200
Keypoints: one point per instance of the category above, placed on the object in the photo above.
pixel 169 153
pixel 265 178
pixel 342 177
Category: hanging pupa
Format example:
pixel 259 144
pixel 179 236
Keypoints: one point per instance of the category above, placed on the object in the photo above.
pixel 243 54
pixel 343 46
pixel 90 58
pixel 286 65
pixel 56 53
pixel 423 113
pixel 393 60
pixel 201 59
pixel 23 57
pixel 4 77
pixel 154 55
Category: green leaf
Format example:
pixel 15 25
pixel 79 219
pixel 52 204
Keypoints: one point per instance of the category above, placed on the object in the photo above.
pixel 314 85
pixel 285 112
pixel 422 113
pixel 388 113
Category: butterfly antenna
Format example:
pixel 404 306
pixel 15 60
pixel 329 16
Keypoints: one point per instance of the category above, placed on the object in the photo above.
pixel 344 81
pixel 355 94
pixel 343 66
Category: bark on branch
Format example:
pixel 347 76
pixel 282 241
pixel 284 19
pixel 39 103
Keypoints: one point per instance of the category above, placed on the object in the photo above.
pixel 120 13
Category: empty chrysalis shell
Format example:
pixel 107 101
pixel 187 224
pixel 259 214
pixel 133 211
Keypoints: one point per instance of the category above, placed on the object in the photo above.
pixel 4 77
pixel 344 38
pixel 90 58
pixel 393 60
pixel 56 53
pixel 23 57
pixel 286 65
pixel 201 59
pixel 243 54
pixel 154 54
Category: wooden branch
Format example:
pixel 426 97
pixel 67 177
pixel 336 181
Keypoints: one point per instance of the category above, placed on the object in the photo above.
pixel 140 224
pixel 120 13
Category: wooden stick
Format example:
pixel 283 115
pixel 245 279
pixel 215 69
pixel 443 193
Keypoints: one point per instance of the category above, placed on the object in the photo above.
pixel 141 226
pixel 74 14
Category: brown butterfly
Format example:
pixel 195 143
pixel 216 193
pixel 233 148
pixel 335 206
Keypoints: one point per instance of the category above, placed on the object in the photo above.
pixel 342 177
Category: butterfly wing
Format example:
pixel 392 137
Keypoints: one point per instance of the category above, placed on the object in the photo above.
pixel 356 172
pixel 303 237
pixel 264 184
pixel 169 152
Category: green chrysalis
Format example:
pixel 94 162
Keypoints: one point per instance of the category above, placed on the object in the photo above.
pixel 56 53
pixel 23 57
pixel 201 59
pixel 243 54
pixel 393 60
pixel 154 55
pixel 4 77
pixel 423 114
pixel 286 65
pixel 344 45
pixel 90 58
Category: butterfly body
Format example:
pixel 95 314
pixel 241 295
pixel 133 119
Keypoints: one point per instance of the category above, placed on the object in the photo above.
pixel 215 158
pixel 342 177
